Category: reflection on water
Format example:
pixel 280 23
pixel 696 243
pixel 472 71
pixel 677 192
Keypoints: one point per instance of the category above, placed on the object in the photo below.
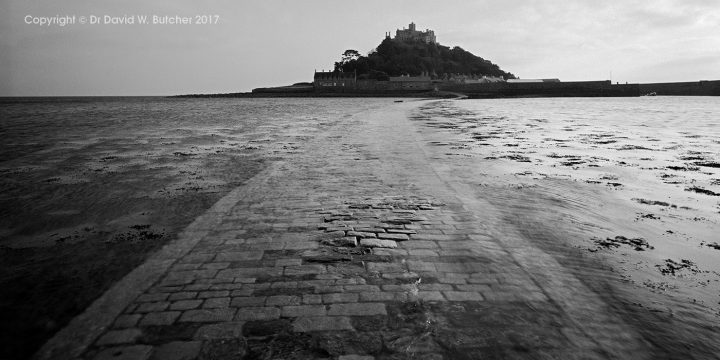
pixel 90 187
pixel 70 164
pixel 604 174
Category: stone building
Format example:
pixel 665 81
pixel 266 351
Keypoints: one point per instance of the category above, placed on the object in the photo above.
pixel 411 84
pixel 422 82
pixel 334 81
pixel 411 34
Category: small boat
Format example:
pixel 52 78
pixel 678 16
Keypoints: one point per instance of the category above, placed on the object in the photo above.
pixel 651 94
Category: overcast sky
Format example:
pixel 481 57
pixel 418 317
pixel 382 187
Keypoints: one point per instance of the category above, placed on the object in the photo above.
pixel 278 42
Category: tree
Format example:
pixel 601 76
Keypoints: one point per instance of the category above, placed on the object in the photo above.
pixel 350 55
pixel 348 62
pixel 393 58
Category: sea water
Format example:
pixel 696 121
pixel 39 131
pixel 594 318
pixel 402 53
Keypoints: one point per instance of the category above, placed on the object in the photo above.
pixel 69 164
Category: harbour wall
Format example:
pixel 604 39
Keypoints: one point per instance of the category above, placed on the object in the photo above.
pixel 489 90
pixel 604 88
pixel 544 89
pixel 697 88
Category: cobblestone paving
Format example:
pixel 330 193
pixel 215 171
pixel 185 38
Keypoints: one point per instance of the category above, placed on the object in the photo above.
pixel 357 247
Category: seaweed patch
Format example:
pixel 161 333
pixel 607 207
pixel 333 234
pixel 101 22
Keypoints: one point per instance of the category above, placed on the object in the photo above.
pixel 702 191
pixel 711 164
pixel 638 244
pixel 653 202
pixel 671 267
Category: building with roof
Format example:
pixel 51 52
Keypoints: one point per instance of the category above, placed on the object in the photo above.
pixel 411 34
pixel 334 81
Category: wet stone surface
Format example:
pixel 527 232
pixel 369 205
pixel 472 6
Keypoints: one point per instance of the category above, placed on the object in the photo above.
pixel 355 249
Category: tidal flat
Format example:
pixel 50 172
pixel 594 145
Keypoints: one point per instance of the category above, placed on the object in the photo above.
pixel 632 182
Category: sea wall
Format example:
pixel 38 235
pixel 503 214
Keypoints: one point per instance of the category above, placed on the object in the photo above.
pixel 285 89
pixel 543 89
pixel 499 89
pixel 390 86
pixel 697 88
pixel 491 90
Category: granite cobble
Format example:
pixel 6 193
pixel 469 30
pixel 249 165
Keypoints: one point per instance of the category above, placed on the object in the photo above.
pixel 339 298
pixel 225 330
pixel 127 321
pixel 185 304
pixel 357 309
pixel 257 313
pixel 214 303
pixel 185 295
pixel 159 318
pixel 116 337
pixel 378 243
pixel 207 315
pixel 152 307
pixel 156 297
pixel 134 352
pixel 303 310
pixel 282 300
pixel 179 350
pixel 322 323
pixel 393 236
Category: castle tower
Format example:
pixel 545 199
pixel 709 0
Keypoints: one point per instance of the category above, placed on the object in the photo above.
pixel 412 34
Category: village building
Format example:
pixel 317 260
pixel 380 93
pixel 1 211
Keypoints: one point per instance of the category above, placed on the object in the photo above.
pixel 424 76
pixel 421 82
pixel 334 80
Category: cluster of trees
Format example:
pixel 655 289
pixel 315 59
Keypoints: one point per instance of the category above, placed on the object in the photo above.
pixel 395 58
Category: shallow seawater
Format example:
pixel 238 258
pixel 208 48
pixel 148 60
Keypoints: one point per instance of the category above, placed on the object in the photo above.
pixel 89 187
pixel 98 158
pixel 633 180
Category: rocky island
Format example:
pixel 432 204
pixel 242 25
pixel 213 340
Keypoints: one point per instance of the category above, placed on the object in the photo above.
pixel 414 64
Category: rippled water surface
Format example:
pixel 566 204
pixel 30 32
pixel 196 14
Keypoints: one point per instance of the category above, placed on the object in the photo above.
pixel 89 187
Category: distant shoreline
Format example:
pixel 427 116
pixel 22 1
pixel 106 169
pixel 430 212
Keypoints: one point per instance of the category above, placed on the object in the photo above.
pixel 319 95
pixel 493 90
pixel 473 91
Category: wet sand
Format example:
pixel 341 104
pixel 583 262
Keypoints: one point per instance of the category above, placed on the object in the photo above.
pixel 641 195
pixel 634 217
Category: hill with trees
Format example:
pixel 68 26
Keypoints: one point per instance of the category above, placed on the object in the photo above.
pixel 396 57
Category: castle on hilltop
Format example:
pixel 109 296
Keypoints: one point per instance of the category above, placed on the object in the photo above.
pixel 411 72
pixel 411 34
